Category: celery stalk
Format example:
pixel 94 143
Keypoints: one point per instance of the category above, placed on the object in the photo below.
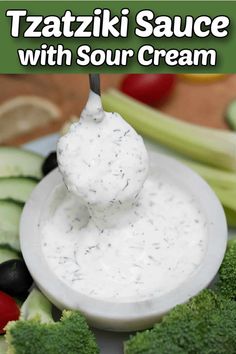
pixel 224 185
pixel 228 200
pixel 230 216
pixel 214 176
pixel 206 145
pixel 227 197
pixel 214 147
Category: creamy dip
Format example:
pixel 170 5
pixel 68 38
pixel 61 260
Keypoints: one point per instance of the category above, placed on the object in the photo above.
pixel 103 161
pixel 120 231
pixel 158 246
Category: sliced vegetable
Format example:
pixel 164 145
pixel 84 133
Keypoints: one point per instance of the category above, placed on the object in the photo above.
pixel 224 185
pixel 10 213
pixel 19 162
pixel 230 216
pixel 6 254
pixel 16 188
pixel 214 176
pixel 15 279
pixel 9 310
pixel 207 145
pixel 50 163
pixel 230 115
pixel 148 88
pixel 202 77
pixel 228 198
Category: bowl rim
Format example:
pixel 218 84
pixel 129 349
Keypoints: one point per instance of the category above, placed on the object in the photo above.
pixel 125 315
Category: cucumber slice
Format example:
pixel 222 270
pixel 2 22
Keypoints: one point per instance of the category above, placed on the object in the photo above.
pixel 6 254
pixel 19 162
pixel 10 213
pixel 16 188
pixel 230 115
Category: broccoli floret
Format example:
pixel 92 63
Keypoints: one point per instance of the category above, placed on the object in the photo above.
pixel 226 284
pixel 204 325
pixel 37 333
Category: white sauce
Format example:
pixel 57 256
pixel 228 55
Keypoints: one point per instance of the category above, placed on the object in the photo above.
pixel 103 161
pixel 160 246
pixel 109 239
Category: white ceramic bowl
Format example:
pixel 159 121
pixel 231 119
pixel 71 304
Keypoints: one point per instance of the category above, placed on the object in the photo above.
pixel 133 315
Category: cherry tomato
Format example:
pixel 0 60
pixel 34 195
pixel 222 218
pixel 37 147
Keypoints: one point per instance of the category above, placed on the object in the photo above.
pixel 148 88
pixel 9 310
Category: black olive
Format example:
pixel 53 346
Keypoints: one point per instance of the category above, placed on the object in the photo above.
pixel 15 279
pixel 50 163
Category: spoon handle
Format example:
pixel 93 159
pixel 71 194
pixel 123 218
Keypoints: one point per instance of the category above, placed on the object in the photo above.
pixel 94 82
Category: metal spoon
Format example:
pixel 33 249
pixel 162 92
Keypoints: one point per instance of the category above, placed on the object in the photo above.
pixel 94 82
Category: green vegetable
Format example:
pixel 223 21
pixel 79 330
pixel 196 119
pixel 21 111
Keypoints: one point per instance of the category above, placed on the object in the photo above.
pixel 205 325
pixel 230 115
pixel 228 199
pixel 230 216
pixel 224 185
pixel 10 213
pixel 6 254
pixel 226 284
pixel 17 188
pixel 37 333
pixel 210 146
pixel 20 162
pixel 214 176
pixel 213 147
